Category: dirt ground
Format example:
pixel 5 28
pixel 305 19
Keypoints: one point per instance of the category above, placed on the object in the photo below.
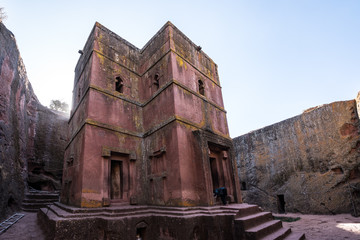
pixel 26 228
pixel 316 227
pixel 325 227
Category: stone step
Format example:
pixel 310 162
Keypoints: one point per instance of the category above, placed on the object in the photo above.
pixel 279 234
pixel 54 196
pixel 253 220
pixel 125 209
pixel 29 209
pixel 263 230
pixel 34 207
pixel 246 210
pixel 35 200
pixel 63 211
pixel 295 236
pixel 58 211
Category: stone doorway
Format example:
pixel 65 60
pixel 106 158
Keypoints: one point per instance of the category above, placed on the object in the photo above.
pixel 220 169
pixel 214 167
pixel 116 179
pixel 281 203
pixel 119 178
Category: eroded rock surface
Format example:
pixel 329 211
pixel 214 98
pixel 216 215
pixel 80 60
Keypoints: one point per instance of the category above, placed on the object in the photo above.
pixel 308 163
pixel 32 137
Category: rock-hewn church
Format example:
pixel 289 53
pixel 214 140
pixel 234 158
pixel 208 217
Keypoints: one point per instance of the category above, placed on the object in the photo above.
pixel 148 126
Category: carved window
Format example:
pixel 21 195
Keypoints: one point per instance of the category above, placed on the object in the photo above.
pixel 157 165
pixel 201 87
pixel 119 85
pixel 79 94
pixel 70 161
pixel 156 80
pixel 157 162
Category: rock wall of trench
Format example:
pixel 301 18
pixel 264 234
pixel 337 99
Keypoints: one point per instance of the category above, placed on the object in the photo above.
pixel 32 137
pixel 309 163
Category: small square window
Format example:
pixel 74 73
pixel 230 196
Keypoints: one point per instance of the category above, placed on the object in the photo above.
pixel 201 88
pixel 119 85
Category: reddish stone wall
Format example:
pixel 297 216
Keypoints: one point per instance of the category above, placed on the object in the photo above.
pixel 311 159
pixel 149 120
pixel 32 137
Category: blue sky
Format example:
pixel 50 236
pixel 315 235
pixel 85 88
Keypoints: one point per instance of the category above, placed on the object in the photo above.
pixel 275 58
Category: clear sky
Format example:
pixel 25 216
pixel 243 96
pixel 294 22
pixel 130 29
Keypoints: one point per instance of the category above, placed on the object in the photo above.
pixel 275 58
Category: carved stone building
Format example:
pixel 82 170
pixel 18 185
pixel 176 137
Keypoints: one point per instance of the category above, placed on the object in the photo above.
pixel 147 126
pixel 149 144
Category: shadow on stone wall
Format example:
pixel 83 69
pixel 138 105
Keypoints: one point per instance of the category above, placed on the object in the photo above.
pixel 30 134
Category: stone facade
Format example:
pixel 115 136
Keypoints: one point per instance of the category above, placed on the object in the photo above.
pixel 149 145
pixel 309 163
pixel 32 137
pixel 148 126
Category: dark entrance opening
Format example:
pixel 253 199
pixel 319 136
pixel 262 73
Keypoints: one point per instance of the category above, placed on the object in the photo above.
pixel 140 233
pixel 12 204
pixel 281 203
pixel 116 180
pixel 243 186
pixel 214 173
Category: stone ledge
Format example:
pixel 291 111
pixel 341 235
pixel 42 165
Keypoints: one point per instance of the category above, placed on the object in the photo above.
pixel 66 211
pixel 60 221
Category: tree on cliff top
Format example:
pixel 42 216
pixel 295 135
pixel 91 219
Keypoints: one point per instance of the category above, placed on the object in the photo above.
pixel 59 106
pixel 2 14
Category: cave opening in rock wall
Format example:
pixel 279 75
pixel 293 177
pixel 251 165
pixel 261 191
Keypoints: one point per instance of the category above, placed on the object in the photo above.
pixel 281 203
pixel 243 186
pixel 12 204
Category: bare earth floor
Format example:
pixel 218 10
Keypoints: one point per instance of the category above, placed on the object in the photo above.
pixel 25 228
pixel 325 227
pixel 316 227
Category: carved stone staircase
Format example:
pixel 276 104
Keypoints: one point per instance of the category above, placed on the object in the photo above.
pixel 253 224
pixel 34 200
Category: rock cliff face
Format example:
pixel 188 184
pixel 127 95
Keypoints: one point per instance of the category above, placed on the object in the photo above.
pixel 32 137
pixel 309 163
